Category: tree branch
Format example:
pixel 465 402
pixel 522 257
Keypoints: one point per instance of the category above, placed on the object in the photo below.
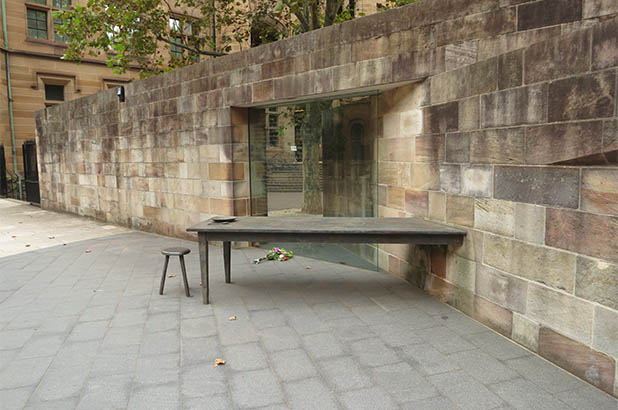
pixel 195 50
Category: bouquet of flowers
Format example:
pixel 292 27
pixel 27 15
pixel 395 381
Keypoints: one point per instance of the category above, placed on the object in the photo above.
pixel 276 254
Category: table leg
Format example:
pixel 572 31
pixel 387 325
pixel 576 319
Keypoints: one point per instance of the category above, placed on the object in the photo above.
pixel 227 261
pixel 204 267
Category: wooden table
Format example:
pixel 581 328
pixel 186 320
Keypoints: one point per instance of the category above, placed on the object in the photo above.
pixel 317 229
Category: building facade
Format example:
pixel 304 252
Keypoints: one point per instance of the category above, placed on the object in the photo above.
pixel 39 78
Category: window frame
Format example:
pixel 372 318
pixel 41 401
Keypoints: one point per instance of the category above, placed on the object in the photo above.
pixel 178 35
pixel 48 7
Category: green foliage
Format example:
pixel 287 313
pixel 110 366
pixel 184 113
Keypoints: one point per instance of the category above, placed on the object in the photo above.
pixel 159 35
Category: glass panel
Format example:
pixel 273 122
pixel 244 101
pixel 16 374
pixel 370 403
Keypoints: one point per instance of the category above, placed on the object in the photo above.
pixel 175 50
pixel 62 4
pixel 317 158
pixel 54 92
pixel 59 37
pixel 37 23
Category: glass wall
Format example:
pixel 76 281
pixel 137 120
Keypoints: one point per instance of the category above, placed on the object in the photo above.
pixel 317 158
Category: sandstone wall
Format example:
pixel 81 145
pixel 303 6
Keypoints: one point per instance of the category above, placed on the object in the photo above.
pixel 498 116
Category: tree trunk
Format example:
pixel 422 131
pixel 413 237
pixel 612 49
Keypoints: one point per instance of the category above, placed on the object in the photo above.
pixel 312 150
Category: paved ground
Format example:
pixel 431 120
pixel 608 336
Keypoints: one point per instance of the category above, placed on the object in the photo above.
pixel 82 326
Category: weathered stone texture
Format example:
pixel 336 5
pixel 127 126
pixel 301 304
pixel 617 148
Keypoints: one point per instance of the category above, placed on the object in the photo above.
pixel 458 147
pixel 439 119
pixel 526 332
pixel 597 281
pixel 558 57
pixel 588 234
pixel 567 314
pixel 495 216
pixel 584 97
pixel 548 186
pixel 544 265
pixel 503 289
pixel 460 210
pixel 477 180
pixel 510 70
pixel 605 333
pixel 605 45
pixel 530 223
pixel 579 359
pixel 497 146
pixel 524 105
pixel 548 13
pixel 596 8
pixel 599 191
pixel 554 143
pixel 475 26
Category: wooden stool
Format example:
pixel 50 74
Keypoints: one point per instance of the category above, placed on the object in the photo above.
pixel 180 252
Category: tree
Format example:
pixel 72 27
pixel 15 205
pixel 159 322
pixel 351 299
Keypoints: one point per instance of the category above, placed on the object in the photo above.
pixel 138 36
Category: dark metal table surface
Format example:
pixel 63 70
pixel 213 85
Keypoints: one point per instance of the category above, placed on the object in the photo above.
pixel 317 229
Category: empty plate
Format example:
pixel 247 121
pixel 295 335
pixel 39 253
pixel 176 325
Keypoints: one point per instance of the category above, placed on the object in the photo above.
pixel 224 218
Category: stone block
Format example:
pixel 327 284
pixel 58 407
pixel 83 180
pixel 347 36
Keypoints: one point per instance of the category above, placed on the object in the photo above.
pixel 599 191
pixel 495 216
pixel 605 45
pixel 495 46
pixel 458 147
pixel 548 13
pixel 558 57
pixel 429 148
pixel 438 119
pixel 411 122
pixel 584 97
pixel 577 358
pixel 502 289
pixel 497 146
pixel 460 210
pixel 510 70
pixel 472 247
pixel 395 149
pixel 526 332
pixel 438 261
pixel 418 64
pixel 468 81
pixel 588 234
pixel 563 312
pixel 494 316
pixel 596 281
pixel 374 72
pixel 605 334
pixel 549 266
pixel 461 272
pixel 395 197
pixel 610 135
pixel 523 105
pixel 555 143
pixel 477 180
pixel 597 8
pixel 437 206
pixel 416 202
pixel 548 186
pixel 478 25
pixel 263 91
pixel 460 54
pixel 424 176
pixel 469 109
pixel 450 178
pixel 530 223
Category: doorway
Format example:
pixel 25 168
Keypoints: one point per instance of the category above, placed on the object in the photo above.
pixel 317 158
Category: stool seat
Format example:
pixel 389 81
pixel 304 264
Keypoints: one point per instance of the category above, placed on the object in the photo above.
pixel 175 251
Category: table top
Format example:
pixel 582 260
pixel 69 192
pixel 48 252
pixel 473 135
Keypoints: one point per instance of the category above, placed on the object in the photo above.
pixel 327 225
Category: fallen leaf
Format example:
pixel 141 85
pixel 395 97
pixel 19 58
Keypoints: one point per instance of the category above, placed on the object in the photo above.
pixel 219 362
pixel 27 245
pixel 13 236
pixel 171 276
pixel 232 317
pixel 200 284
pixel 88 251
pixel 51 237
pixel 308 267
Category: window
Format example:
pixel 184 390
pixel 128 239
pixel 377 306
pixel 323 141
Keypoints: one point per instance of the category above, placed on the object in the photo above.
pixel 184 33
pixel 40 19
pixel 54 92
pixel 272 127
pixel 37 23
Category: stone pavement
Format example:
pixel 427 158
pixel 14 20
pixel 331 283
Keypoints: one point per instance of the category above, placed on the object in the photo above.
pixel 82 326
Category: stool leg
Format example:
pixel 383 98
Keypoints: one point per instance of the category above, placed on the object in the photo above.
pixel 167 260
pixel 227 261
pixel 184 275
